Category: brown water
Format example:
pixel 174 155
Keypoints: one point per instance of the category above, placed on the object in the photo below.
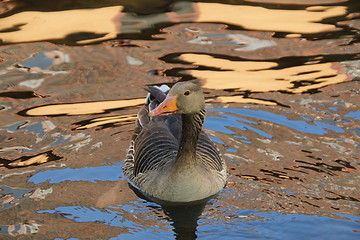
pixel 281 80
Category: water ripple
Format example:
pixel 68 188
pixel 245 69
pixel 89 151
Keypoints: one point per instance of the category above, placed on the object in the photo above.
pixel 227 119
pixel 92 174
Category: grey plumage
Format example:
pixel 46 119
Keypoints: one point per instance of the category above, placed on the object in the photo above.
pixel 154 160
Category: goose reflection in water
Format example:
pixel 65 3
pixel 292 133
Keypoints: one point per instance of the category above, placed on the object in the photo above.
pixel 184 217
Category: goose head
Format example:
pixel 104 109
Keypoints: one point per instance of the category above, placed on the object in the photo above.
pixel 183 98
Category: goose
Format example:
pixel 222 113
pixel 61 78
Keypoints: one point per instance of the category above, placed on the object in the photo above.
pixel 170 157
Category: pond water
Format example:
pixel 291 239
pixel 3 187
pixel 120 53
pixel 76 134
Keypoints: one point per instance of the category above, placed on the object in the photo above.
pixel 281 81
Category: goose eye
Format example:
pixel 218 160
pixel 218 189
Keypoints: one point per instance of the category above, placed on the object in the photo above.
pixel 186 93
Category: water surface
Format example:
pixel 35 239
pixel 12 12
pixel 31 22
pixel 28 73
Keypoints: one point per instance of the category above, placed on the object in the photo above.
pixel 281 84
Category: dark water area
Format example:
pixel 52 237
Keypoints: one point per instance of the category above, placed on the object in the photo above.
pixel 281 81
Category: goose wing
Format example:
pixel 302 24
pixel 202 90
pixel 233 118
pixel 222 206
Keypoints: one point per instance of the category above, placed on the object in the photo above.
pixel 155 140
pixel 154 147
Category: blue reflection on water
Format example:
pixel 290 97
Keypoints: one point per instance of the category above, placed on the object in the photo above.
pixel 221 124
pixel 88 214
pixel 36 128
pixel 227 119
pixel 273 225
pixel 39 130
pixel 217 140
pixel 355 115
pixel 39 60
pixel 17 195
pixel 356 130
pixel 66 239
pixel 92 174
pixel 239 224
pixel 114 217
pixel 231 150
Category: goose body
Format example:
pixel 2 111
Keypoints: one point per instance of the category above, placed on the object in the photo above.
pixel 170 156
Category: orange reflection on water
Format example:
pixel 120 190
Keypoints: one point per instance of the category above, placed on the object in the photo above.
pixel 298 2
pixel 259 77
pixel 82 108
pixel 240 99
pixel 116 120
pixel 42 158
pixel 265 19
pixel 105 23
pixel 37 26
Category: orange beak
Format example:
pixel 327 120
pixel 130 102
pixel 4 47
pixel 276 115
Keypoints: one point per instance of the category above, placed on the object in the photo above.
pixel 167 107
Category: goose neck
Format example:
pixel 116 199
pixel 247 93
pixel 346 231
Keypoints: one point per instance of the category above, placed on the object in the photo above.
pixel 191 128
